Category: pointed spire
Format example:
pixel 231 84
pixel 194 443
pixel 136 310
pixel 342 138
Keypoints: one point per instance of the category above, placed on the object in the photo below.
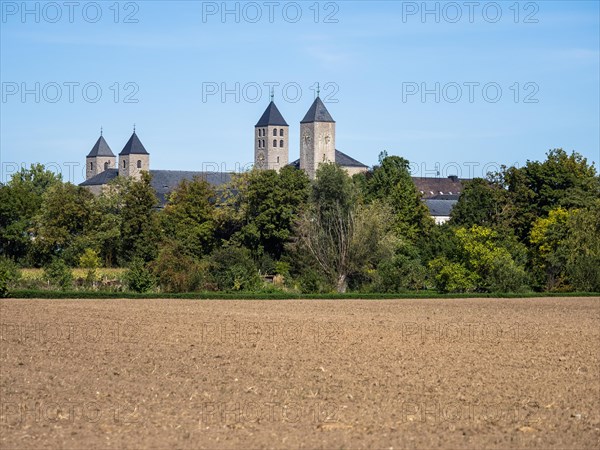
pixel 100 148
pixel 271 116
pixel 317 113
pixel 134 146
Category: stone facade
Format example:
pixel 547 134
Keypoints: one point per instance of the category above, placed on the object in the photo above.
pixel 133 164
pixel 98 164
pixel 271 147
pixel 317 145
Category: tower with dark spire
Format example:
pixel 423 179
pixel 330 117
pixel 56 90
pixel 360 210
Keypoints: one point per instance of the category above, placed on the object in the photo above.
pixel 99 159
pixel 134 158
pixel 317 138
pixel 271 140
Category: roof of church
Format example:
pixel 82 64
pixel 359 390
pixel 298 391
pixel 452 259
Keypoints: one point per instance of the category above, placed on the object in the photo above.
pixel 432 187
pixel 134 146
pixel 440 207
pixel 340 158
pixel 163 181
pixel 271 116
pixel 100 148
pixel 317 113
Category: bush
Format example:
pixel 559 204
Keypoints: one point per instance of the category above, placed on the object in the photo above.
pixel 59 274
pixel 452 277
pixel 232 269
pixel 398 274
pixel 90 261
pixel 138 278
pixel 9 275
pixel 176 271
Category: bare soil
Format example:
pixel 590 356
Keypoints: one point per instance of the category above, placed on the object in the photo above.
pixel 451 373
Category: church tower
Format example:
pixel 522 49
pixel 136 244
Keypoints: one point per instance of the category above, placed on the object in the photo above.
pixel 271 140
pixel 134 158
pixel 317 138
pixel 99 159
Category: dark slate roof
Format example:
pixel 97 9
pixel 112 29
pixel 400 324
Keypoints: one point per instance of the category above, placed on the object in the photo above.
pixel 434 187
pixel 439 207
pixel 101 178
pixel 134 146
pixel 100 148
pixel 317 113
pixel 340 158
pixel 271 116
pixel 163 181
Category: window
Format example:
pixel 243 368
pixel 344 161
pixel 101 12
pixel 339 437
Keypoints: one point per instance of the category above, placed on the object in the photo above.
pixel 281 143
pixel 91 166
pixel 124 164
pixel 281 132
pixel 106 165
pixel 278 160
pixel 274 131
pixel 259 143
pixel 274 142
pixel 263 143
pixel 139 164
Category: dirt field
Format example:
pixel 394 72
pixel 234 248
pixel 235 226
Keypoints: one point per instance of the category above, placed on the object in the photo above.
pixel 476 373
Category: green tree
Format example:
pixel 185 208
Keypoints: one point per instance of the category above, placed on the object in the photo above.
pixel 232 268
pixel 177 271
pixel 90 261
pixel 9 275
pixel 140 232
pixel 20 202
pixel 59 274
pixel 64 215
pixel 481 203
pixel 391 183
pixel 582 246
pixel 189 217
pixel 450 276
pixel 138 278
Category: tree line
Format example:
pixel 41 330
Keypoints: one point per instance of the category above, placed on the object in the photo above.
pixel 521 229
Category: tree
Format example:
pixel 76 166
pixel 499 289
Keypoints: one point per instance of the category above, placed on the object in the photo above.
pixel 264 209
pixel 140 232
pixel 138 278
pixel 64 215
pixel 20 202
pixel 59 274
pixel 480 203
pixel 582 246
pixel 450 276
pixel 90 261
pixel 189 219
pixel 177 271
pixel 391 183
pixel 232 268
pixel 341 237
pixel 9 275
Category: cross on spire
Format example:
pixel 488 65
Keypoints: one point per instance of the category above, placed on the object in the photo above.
pixel 272 93
pixel 134 127
pixel 100 131
pixel 318 89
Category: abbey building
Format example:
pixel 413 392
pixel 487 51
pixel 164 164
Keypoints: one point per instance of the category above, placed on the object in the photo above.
pixel 271 151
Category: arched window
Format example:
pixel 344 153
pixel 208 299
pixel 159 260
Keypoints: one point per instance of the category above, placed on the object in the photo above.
pixel 139 164
pixel 263 142
pixel 278 160
pixel 91 166
pixel 124 164
pixel 106 165
pixel 274 142
pixel 281 143
pixel 274 131
pixel 281 132
pixel 259 144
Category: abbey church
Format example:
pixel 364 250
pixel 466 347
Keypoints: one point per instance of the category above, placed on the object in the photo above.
pixel 271 151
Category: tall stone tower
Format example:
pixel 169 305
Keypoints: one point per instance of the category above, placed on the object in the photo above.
pixel 317 138
pixel 134 158
pixel 271 140
pixel 99 159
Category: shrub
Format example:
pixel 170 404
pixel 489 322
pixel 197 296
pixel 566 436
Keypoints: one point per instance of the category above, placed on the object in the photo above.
pixel 452 277
pixel 138 278
pixel 59 274
pixel 90 261
pixel 9 275
pixel 232 269
pixel 398 274
pixel 176 271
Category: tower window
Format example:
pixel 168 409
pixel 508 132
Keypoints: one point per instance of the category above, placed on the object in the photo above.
pixel 124 164
pixel 106 165
pixel 139 164
pixel 274 131
pixel 259 144
pixel 281 132
pixel 281 143
pixel 263 143
pixel 274 142
pixel 91 166
pixel 278 160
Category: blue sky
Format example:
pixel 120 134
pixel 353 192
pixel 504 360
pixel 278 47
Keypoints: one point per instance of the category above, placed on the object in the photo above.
pixel 530 68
